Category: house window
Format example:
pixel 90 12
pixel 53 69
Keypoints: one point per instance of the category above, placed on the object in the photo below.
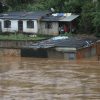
pixel 48 25
pixel 30 24
pixel 7 24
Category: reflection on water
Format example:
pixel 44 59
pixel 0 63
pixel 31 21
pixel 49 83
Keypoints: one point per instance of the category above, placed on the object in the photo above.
pixel 43 79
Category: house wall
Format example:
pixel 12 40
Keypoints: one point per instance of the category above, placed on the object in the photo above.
pixel 30 30
pixel 72 55
pixel 52 54
pixel 86 52
pixel 14 27
pixel 0 25
pixel 98 48
pixel 10 52
pixel 68 53
pixel 49 31
pixel 39 27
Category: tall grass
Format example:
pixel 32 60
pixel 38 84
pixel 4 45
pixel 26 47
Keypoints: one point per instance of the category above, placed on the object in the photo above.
pixel 21 37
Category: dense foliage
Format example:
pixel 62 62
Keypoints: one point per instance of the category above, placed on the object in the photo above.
pixel 89 10
pixel 1 7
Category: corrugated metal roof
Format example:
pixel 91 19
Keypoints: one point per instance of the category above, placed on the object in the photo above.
pixel 60 18
pixel 24 15
pixel 36 15
pixel 69 18
pixel 52 18
pixel 71 42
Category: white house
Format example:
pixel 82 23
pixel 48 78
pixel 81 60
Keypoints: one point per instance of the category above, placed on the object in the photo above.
pixel 43 22
pixel 27 22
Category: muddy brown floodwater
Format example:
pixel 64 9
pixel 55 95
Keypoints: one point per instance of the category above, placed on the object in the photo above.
pixel 43 79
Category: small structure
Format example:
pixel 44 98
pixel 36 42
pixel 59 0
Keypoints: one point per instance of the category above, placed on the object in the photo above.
pixel 43 22
pixel 62 47
pixel 59 23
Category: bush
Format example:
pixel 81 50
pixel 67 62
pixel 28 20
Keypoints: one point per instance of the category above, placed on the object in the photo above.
pixel 68 34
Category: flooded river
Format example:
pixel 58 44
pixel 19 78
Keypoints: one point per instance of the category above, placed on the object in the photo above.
pixel 43 79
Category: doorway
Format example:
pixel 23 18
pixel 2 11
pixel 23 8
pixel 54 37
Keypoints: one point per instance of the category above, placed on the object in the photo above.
pixel 20 26
pixel 63 27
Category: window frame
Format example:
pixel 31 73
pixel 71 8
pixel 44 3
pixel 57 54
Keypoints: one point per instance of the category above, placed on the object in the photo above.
pixel 30 24
pixel 7 24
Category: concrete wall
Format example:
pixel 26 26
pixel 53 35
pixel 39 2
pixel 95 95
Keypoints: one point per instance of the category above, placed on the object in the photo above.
pixel 86 52
pixel 52 31
pixel 10 52
pixel 79 54
pixel 70 56
pixel 98 48
pixel 14 26
pixel 14 44
pixel 52 54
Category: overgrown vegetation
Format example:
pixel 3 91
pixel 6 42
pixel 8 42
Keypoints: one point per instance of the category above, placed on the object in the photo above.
pixel 20 36
pixel 89 11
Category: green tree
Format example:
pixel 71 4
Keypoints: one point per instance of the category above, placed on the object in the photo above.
pixel 96 20
pixel 87 15
pixel 1 7
pixel 73 6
